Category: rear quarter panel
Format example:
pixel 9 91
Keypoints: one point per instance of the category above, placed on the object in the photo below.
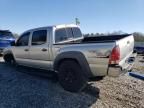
pixel 96 54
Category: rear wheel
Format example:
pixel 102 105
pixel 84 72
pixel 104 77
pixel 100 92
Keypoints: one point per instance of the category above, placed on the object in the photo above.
pixel 71 76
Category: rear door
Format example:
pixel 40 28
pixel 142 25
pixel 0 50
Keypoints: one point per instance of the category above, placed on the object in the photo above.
pixel 39 49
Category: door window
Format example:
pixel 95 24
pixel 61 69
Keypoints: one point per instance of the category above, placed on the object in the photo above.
pixel 39 37
pixel 23 40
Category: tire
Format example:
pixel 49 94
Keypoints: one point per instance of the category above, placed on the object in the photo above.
pixel 9 59
pixel 71 77
pixel 1 55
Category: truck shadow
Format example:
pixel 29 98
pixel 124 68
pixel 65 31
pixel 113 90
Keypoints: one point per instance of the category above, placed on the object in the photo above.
pixel 40 88
pixel 51 76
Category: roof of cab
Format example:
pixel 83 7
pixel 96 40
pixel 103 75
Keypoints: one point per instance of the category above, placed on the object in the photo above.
pixel 56 26
pixel 66 25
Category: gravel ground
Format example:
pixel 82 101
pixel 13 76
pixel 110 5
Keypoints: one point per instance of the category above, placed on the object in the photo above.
pixel 18 89
pixel 139 65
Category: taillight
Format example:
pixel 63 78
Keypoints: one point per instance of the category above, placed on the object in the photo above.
pixel 115 55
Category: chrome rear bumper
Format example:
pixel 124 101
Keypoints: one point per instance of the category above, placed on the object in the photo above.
pixel 116 70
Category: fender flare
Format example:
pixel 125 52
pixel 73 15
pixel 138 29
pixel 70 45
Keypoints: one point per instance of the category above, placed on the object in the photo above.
pixel 74 55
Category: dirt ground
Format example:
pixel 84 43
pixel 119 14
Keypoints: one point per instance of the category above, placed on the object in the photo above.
pixel 20 89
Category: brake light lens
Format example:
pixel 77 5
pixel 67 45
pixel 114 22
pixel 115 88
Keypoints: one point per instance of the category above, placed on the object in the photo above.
pixel 115 55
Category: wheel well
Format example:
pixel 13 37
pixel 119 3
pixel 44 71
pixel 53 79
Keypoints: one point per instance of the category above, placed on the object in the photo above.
pixel 65 59
pixel 75 56
pixel 8 56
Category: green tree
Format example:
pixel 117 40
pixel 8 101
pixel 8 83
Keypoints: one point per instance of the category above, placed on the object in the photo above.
pixel 139 37
pixel 16 35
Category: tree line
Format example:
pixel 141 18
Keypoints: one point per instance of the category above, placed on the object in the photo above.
pixel 138 36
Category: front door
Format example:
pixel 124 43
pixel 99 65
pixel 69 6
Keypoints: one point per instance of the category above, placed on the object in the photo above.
pixel 21 50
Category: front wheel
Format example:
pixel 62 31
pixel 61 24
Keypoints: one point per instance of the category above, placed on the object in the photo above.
pixel 71 76
pixel 9 59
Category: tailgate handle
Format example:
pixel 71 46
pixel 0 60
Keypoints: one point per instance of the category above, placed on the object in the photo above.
pixel 128 42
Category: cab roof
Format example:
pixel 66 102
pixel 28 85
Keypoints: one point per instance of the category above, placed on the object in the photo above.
pixel 56 26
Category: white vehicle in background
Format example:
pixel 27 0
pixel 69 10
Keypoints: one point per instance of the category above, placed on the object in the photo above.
pixel 63 49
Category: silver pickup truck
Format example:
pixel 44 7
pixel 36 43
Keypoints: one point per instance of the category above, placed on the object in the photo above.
pixel 64 50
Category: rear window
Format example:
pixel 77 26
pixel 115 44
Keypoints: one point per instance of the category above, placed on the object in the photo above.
pixel 60 35
pixel 76 32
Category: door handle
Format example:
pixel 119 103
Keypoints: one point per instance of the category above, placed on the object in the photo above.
pixel 26 49
pixel 44 49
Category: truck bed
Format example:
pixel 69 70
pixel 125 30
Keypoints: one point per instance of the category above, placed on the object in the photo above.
pixel 104 38
pixel 125 42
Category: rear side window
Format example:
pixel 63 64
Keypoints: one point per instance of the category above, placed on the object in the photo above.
pixel 67 33
pixel 76 32
pixel 63 34
pixel 39 37
pixel 23 40
pixel 60 35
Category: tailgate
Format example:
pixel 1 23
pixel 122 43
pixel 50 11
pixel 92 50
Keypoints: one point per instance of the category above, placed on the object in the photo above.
pixel 123 52
pixel 126 46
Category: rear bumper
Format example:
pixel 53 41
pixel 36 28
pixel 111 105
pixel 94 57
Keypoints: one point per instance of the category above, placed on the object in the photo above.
pixel 116 70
